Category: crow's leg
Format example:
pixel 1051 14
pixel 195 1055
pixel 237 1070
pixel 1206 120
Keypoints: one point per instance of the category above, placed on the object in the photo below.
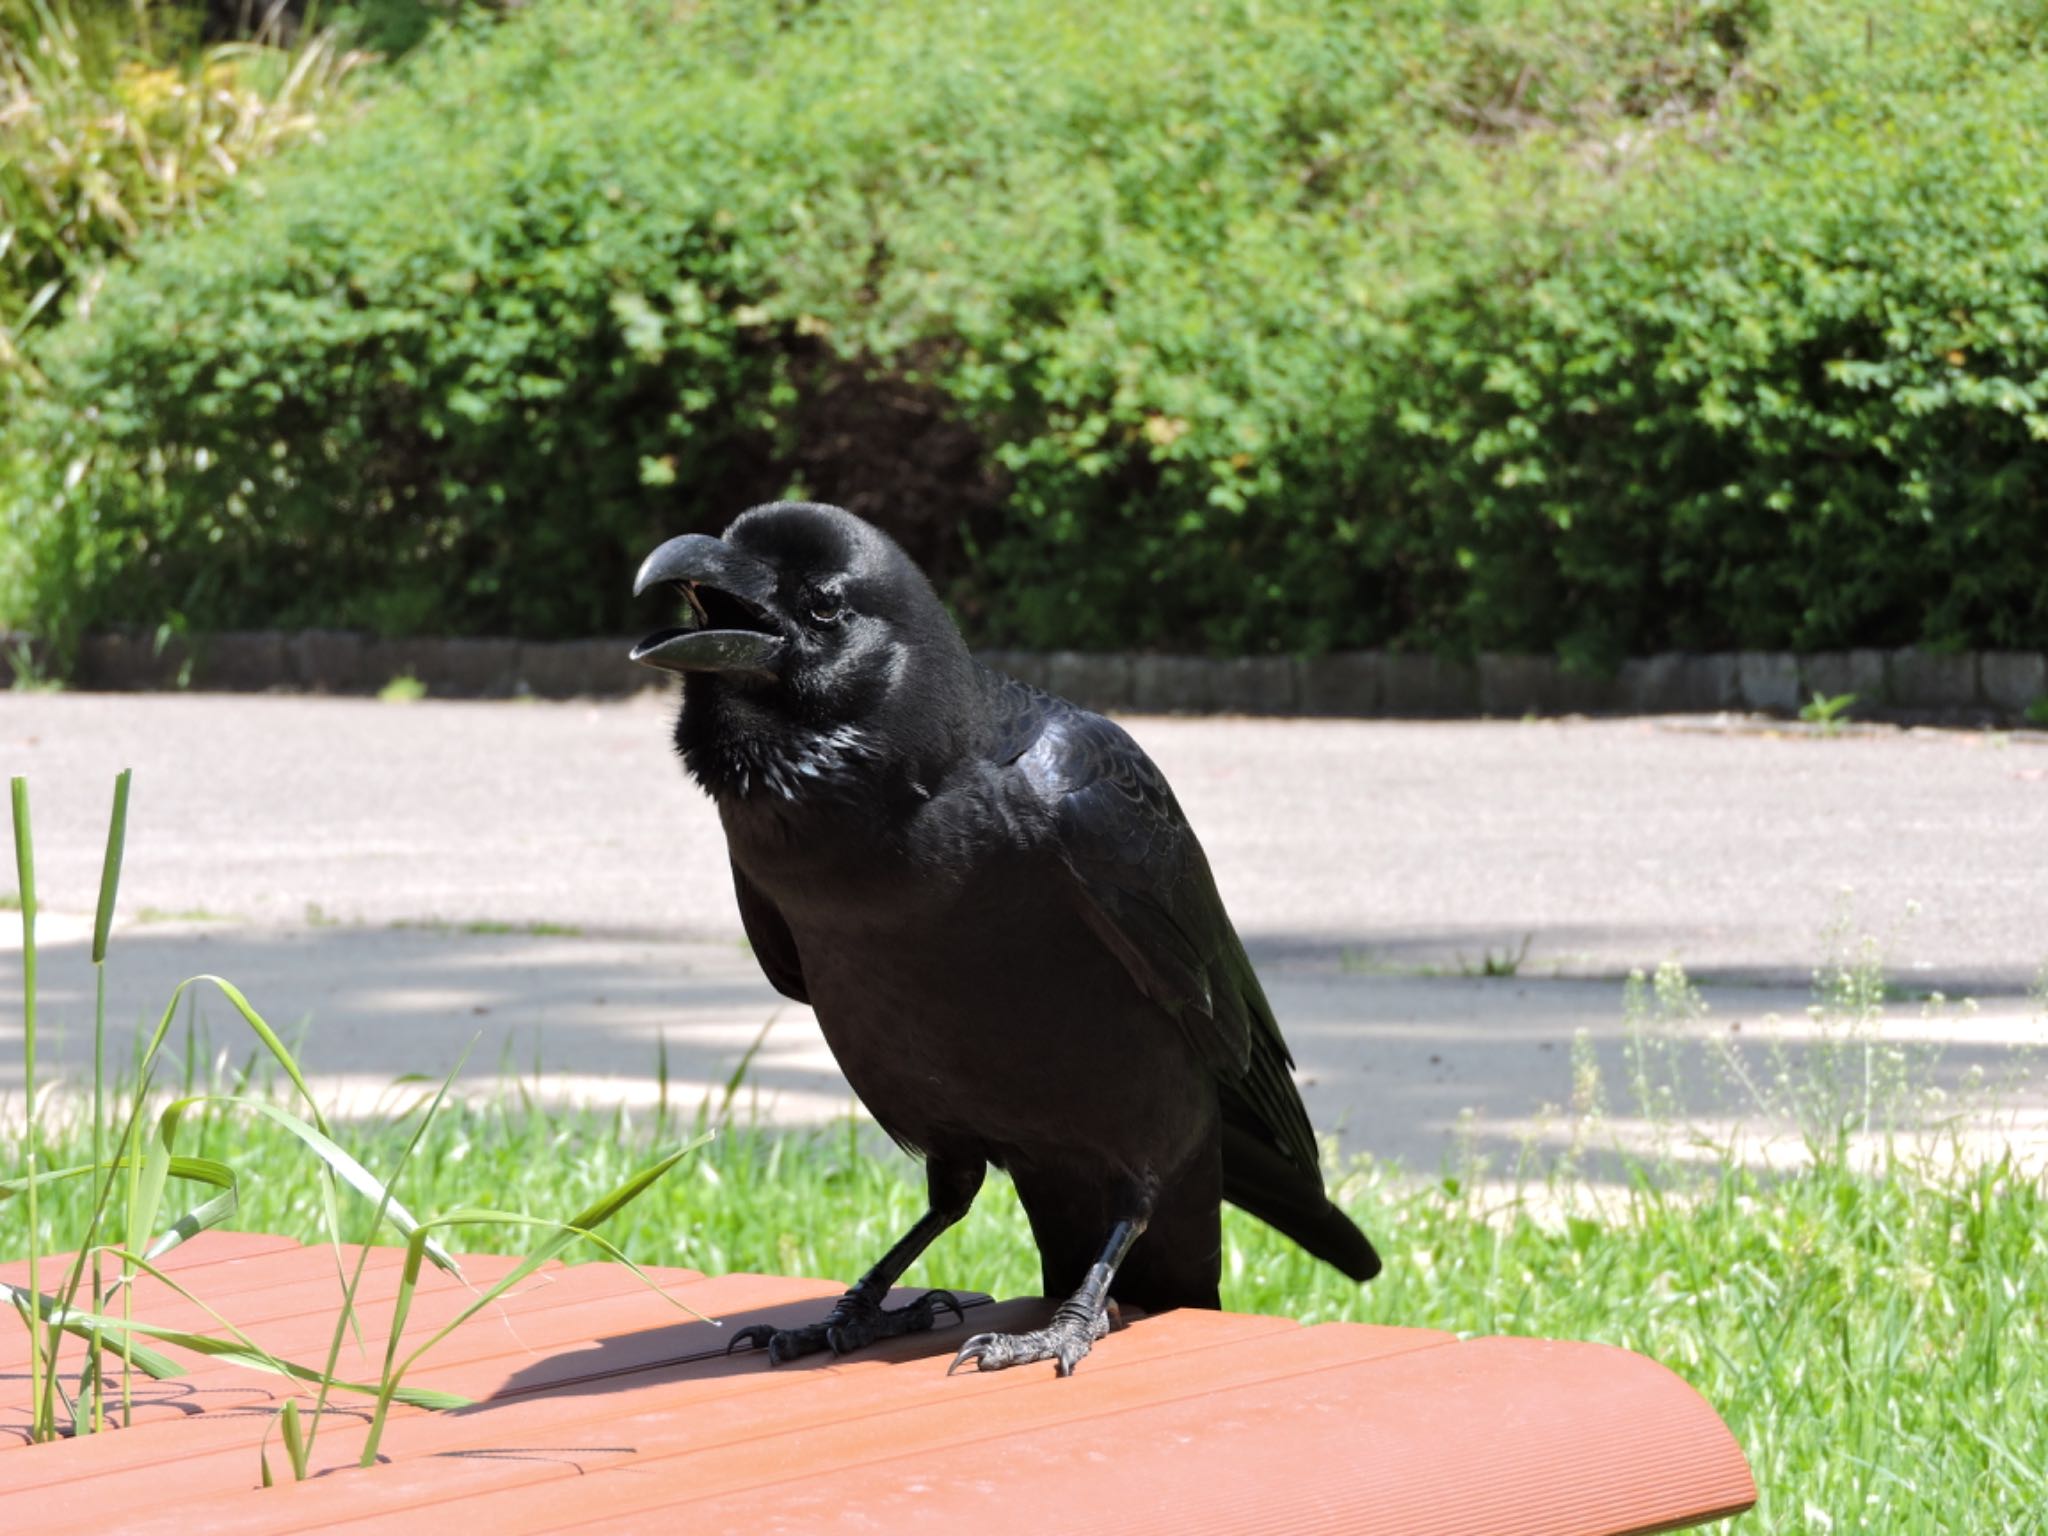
pixel 857 1318
pixel 1081 1319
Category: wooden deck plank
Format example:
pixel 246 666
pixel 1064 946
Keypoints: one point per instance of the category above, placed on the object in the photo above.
pixel 608 1408
pixel 250 1299
pixel 738 1413
pixel 204 1249
pixel 223 1267
pixel 277 1278
pixel 946 1420
pixel 1479 1438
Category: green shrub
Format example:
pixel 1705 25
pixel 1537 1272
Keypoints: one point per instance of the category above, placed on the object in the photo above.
pixel 114 121
pixel 1798 400
pixel 1595 328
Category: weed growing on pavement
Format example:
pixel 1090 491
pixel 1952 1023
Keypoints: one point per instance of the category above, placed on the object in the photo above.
pixel 1508 962
pixel 1827 712
pixel 403 689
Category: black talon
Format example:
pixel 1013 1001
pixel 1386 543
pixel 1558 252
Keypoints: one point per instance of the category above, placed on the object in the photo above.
pixel 855 1321
pixel 756 1336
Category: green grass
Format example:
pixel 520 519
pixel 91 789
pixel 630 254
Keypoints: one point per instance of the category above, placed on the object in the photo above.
pixel 403 689
pixel 183 915
pixel 1827 713
pixel 491 927
pixel 542 930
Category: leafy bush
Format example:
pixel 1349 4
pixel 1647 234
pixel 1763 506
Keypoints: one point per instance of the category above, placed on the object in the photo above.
pixel 114 122
pixel 1798 400
pixel 1596 328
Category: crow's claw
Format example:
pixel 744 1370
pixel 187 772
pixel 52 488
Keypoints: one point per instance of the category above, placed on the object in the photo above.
pixel 933 1300
pixel 855 1321
pixel 756 1336
pixel 1064 1341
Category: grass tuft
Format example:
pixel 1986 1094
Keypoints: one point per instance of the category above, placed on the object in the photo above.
pixel 403 689
pixel 121 1185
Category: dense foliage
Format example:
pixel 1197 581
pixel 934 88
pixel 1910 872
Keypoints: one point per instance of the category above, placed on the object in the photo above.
pixel 1597 326
pixel 122 118
pixel 119 117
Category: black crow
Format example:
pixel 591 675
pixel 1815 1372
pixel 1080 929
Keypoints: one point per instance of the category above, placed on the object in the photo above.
pixel 1004 922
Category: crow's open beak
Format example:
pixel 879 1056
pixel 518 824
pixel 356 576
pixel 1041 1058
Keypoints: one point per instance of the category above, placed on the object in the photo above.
pixel 732 603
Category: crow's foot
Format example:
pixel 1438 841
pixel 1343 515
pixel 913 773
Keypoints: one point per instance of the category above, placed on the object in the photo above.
pixel 1069 1336
pixel 855 1321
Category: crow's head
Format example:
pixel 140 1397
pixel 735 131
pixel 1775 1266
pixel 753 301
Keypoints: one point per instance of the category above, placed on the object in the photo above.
pixel 811 645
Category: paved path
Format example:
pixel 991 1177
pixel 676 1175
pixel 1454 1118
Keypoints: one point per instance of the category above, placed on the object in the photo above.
pixel 397 878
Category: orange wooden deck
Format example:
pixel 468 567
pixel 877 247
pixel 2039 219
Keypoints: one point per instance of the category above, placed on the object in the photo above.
pixel 602 1407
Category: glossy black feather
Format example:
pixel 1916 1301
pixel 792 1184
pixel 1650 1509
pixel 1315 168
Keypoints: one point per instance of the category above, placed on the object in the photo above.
pixel 768 935
pixel 1144 886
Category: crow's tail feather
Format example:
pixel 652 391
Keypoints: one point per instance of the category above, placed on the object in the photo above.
pixel 1258 1178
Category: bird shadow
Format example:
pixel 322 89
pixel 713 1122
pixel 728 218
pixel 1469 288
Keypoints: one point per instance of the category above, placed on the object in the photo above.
pixel 677 1358
pixel 702 1350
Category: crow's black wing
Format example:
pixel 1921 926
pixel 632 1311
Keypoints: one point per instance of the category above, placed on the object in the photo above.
pixel 774 945
pixel 1142 883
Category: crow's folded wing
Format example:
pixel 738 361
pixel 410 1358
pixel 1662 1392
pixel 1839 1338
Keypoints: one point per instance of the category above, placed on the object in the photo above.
pixel 774 945
pixel 1141 882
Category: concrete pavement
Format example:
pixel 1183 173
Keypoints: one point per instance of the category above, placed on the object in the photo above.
pixel 397 878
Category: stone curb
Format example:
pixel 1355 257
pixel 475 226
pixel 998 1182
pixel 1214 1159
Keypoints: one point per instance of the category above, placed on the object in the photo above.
pixel 1908 686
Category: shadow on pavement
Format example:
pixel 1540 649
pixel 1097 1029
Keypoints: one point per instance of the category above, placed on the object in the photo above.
pixel 1396 1056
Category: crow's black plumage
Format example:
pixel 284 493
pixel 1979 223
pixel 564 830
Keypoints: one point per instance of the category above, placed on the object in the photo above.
pixel 1005 924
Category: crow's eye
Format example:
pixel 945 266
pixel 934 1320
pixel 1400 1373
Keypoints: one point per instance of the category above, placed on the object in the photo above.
pixel 826 610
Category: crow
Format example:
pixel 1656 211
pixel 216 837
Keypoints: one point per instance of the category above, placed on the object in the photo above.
pixel 1003 921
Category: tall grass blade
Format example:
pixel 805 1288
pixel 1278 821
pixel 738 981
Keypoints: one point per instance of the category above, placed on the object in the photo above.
pixel 206 1170
pixel 103 922
pixel 738 1075
pixel 579 1227
pixel 253 1019
pixel 210 1214
pixel 238 1350
pixel 295 1445
pixel 145 1187
pixel 348 1297
pixel 25 876
pixel 53 1312
pixel 661 1110
pixel 110 868
pixel 158 1160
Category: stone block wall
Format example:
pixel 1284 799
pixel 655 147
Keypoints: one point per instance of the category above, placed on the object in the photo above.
pixel 1910 686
